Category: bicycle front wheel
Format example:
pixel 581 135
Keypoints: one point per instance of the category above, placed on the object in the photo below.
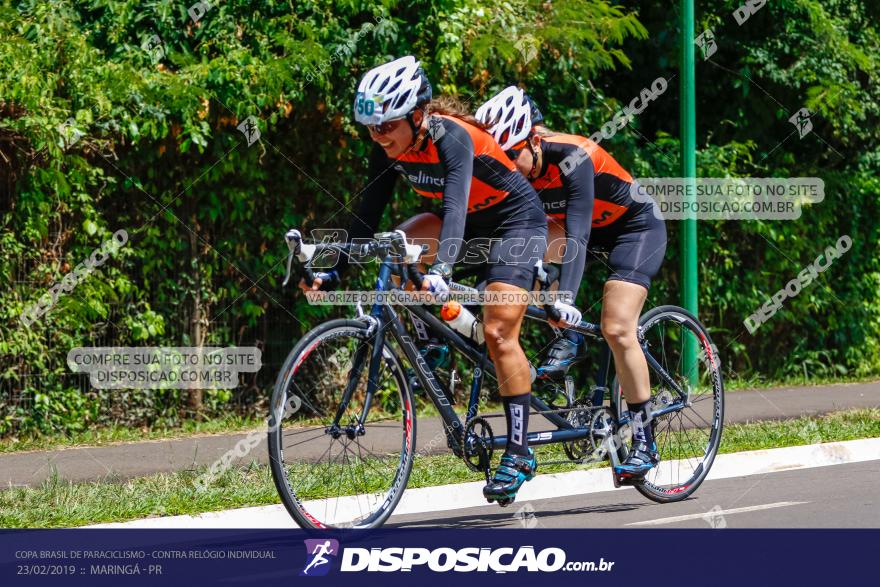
pixel 687 438
pixel 329 471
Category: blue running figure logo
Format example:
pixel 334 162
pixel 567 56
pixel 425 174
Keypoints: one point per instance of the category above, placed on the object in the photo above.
pixel 317 552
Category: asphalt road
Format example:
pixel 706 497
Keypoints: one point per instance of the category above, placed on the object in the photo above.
pixel 145 458
pixel 837 496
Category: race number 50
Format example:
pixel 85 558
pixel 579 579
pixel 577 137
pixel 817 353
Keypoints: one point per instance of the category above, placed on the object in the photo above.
pixel 363 106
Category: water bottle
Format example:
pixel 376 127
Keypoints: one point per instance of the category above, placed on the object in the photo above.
pixel 461 320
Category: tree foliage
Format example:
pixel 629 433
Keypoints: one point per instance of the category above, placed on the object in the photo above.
pixel 123 115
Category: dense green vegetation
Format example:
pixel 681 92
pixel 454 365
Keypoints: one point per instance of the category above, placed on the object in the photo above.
pixel 122 115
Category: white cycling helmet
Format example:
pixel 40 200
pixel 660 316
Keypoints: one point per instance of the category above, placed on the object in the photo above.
pixel 509 116
pixel 391 91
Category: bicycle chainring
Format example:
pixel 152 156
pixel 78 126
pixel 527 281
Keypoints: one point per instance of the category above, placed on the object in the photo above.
pixel 478 442
pixel 578 450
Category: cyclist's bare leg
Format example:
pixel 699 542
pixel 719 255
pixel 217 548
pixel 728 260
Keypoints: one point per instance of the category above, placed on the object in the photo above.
pixel 501 326
pixel 622 304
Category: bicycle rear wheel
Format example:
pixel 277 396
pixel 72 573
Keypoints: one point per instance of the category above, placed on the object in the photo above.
pixel 687 439
pixel 340 477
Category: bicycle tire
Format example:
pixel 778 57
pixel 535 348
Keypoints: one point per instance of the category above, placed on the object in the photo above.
pixel 677 489
pixel 303 514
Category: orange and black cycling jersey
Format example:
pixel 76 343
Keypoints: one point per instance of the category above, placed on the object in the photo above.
pixel 462 165
pixel 581 183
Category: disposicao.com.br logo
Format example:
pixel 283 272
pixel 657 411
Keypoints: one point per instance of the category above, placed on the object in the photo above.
pixel 441 560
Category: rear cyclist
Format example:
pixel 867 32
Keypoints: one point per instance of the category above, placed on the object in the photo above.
pixel 446 154
pixel 581 184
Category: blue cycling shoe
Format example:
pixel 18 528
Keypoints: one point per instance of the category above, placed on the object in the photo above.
pixel 641 459
pixel 513 471
pixel 563 354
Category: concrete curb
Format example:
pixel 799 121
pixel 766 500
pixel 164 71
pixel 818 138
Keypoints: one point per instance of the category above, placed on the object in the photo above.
pixel 466 495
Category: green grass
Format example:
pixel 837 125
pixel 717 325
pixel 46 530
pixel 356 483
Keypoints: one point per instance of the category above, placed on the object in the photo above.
pixel 116 434
pixel 59 503
pixel 760 382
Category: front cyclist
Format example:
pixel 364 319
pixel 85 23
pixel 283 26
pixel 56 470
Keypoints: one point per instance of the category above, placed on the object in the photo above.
pixel 581 184
pixel 444 153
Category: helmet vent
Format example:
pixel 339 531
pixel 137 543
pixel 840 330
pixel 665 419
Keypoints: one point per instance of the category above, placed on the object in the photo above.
pixel 402 99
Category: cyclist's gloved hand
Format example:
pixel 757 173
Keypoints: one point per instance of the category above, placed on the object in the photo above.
pixel 324 281
pixel 329 280
pixel 569 315
pixel 437 278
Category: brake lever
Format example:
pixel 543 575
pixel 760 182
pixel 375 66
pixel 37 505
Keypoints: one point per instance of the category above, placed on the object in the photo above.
pixel 287 272
pixel 297 249
pixel 293 238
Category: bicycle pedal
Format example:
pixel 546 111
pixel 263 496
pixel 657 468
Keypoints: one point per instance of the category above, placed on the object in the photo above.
pixel 504 502
pixel 627 480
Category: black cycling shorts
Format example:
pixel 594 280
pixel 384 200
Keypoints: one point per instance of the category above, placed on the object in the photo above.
pixel 635 249
pixel 506 256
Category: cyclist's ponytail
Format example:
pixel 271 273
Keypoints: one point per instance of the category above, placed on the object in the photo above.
pixel 542 131
pixel 450 106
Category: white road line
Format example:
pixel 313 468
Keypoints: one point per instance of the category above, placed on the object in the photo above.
pixel 716 513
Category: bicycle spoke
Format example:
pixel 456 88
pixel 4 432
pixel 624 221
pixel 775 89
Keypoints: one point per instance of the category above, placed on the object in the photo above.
pixel 294 432
pixel 290 446
pixel 354 481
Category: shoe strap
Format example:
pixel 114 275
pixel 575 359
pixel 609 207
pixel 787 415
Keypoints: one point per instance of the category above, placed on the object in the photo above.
pixel 511 466
pixel 642 453
pixel 518 463
pixel 505 474
pixel 560 346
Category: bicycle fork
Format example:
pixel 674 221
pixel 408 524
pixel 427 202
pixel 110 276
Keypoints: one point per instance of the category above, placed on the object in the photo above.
pixel 376 332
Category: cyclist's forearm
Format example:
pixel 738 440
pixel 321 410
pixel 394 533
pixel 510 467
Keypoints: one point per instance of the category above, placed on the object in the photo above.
pixel 573 267
pixel 452 232
pixel 577 233
pixel 456 150
pixel 372 202
pixel 580 185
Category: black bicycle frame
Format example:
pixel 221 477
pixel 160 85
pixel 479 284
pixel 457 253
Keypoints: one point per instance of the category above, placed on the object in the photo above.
pixel 384 316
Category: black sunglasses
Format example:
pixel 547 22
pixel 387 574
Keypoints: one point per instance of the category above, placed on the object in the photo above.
pixel 513 152
pixel 385 127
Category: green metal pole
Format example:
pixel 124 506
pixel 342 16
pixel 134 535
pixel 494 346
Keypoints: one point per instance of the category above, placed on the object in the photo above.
pixel 688 241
